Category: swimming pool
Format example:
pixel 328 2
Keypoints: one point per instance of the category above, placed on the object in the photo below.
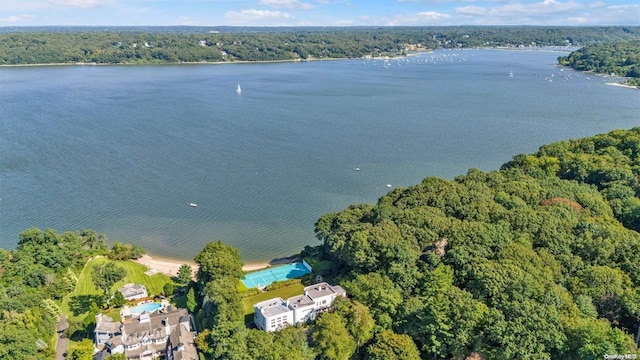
pixel 148 307
pixel 267 276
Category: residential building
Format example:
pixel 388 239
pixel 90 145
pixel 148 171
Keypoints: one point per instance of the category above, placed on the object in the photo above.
pixel 167 332
pixel 133 292
pixel 274 314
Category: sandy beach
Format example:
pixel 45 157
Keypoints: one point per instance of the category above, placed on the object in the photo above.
pixel 170 267
pixel 621 85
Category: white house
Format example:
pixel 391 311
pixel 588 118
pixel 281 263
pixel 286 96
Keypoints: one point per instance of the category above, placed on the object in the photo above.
pixel 133 292
pixel 274 314
pixel 324 294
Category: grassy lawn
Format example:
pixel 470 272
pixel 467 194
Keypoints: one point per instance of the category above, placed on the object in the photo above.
pixel 285 292
pixel 136 275
pixel 85 289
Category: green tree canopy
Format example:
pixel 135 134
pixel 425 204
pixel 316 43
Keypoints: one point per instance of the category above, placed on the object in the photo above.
pixel 218 260
pixel 106 275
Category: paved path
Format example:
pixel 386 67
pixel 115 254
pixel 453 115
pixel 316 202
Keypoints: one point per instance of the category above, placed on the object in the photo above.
pixel 63 342
pixel 61 348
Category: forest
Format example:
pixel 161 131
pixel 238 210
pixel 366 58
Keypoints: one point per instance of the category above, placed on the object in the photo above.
pixel 621 58
pixel 161 45
pixel 536 260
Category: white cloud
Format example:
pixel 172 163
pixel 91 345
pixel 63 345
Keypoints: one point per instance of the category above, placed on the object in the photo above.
pixel 17 19
pixel 286 4
pixel 433 15
pixel 549 12
pixel 511 9
pixel 424 18
pixel 249 17
pixel 442 1
pixel 79 3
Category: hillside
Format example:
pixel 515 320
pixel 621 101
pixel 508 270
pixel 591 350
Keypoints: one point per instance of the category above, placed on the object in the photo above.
pixel 621 58
pixel 531 261
pixel 161 45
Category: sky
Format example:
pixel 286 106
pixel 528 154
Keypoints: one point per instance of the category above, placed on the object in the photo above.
pixel 317 12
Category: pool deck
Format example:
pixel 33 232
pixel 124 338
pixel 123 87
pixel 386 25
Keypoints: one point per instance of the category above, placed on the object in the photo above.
pixel 126 310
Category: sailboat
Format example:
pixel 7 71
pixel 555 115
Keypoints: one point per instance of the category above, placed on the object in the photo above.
pixel 239 90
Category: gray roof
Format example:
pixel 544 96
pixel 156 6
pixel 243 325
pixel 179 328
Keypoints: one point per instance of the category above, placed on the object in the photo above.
pixel 300 301
pixel 339 290
pixel 272 307
pixel 182 336
pixel 101 355
pixel 106 324
pixel 155 328
pixel 319 290
pixel 132 290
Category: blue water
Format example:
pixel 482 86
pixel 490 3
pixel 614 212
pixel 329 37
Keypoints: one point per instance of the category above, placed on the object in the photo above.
pixel 149 307
pixel 267 276
pixel 125 149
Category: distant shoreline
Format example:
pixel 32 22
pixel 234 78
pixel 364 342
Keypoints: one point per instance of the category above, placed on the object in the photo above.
pixel 389 57
pixel 179 63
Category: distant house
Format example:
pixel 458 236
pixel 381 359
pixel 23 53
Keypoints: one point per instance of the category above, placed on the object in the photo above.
pixel 275 314
pixel 167 333
pixel 133 292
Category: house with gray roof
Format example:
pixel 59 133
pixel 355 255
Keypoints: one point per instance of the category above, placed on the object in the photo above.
pixel 133 292
pixel 167 332
pixel 275 314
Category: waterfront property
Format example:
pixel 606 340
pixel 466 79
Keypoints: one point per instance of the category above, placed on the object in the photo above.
pixel 275 314
pixel 133 292
pixel 263 278
pixel 166 331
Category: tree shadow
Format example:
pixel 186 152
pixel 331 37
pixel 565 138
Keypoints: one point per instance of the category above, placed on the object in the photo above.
pixel 80 304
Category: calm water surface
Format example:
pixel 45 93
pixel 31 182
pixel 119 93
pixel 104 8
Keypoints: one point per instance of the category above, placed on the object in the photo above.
pixel 124 150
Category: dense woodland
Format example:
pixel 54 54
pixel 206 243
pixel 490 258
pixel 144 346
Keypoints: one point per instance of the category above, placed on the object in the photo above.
pixel 621 58
pixel 146 45
pixel 537 260
pixel 33 280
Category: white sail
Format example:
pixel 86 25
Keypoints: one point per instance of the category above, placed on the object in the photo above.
pixel 239 90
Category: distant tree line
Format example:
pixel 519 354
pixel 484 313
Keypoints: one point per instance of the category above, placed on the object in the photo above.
pixel 618 58
pixel 148 45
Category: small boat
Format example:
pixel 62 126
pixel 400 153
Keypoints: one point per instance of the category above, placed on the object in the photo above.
pixel 239 90
pixel 511 73
pixel 389 185
pixel 193 204
pixel 357 169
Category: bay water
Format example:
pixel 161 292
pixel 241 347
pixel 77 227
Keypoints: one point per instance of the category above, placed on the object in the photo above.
pixel 127 150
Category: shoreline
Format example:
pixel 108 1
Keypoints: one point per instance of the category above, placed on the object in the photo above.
pixel 170 266
pixel 622 85
pixel 299 60
pixel 179 63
